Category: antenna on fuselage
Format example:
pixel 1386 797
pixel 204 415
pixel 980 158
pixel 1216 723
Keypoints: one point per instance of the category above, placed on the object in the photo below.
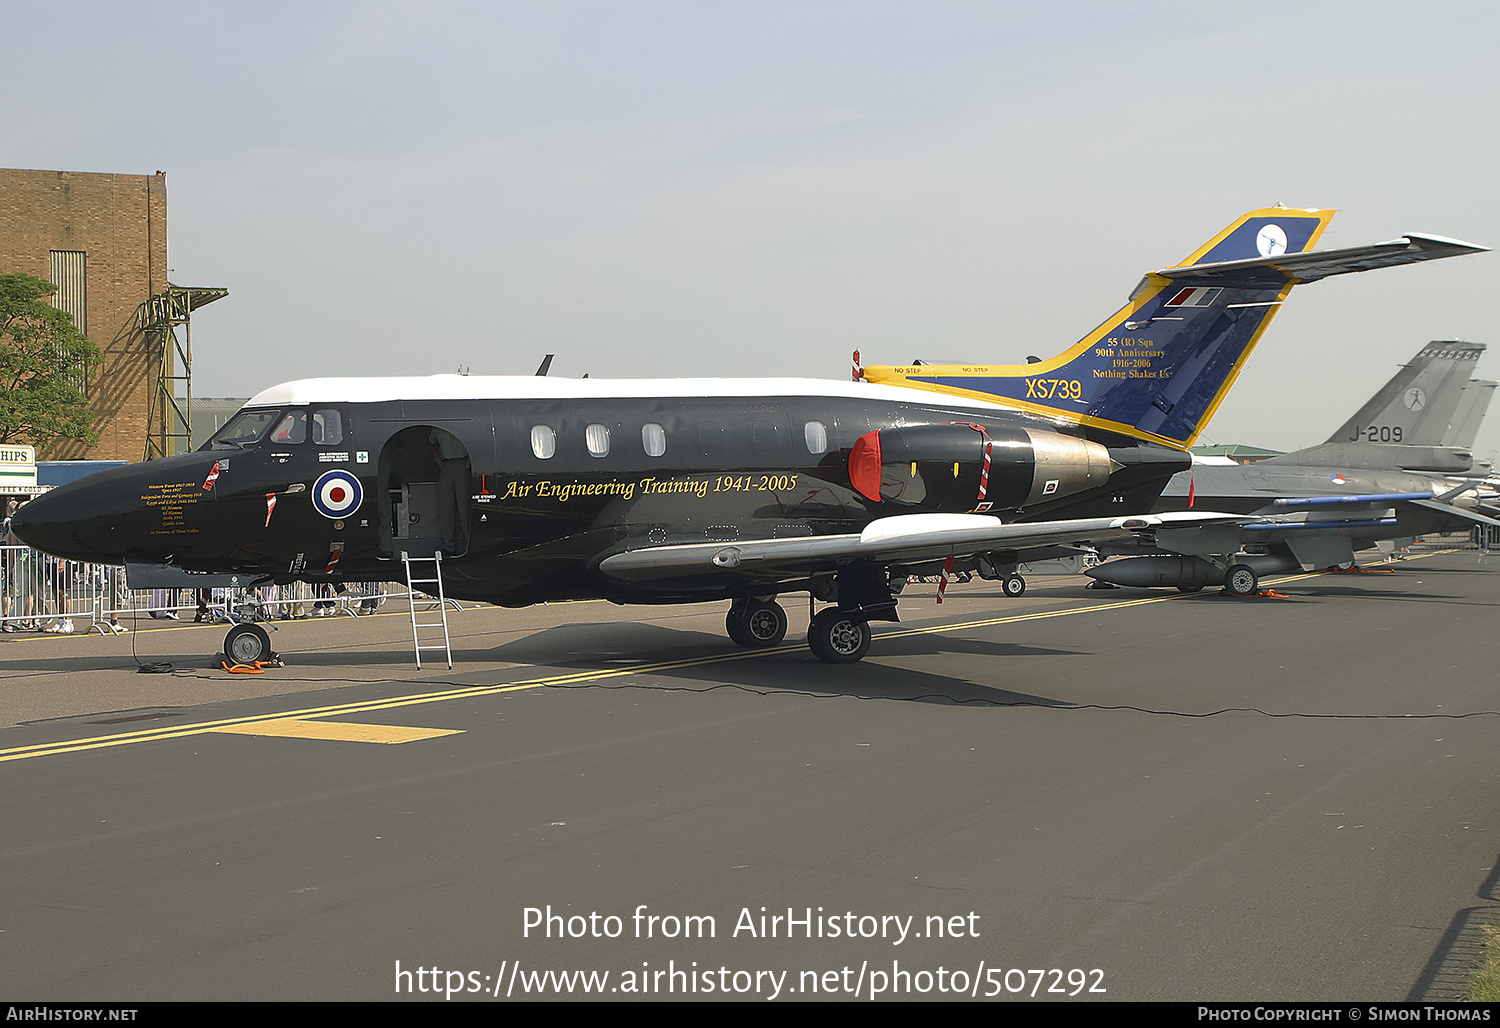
pixel 541 370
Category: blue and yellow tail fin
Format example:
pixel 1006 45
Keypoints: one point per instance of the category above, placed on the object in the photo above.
pixel 1159 367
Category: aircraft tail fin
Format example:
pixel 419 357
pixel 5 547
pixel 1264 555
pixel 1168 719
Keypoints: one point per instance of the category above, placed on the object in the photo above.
pixel 1417 406
pixel 1160 366
pixel 1411 423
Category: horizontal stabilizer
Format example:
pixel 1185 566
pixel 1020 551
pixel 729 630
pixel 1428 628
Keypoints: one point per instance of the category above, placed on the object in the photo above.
pixel 1317 264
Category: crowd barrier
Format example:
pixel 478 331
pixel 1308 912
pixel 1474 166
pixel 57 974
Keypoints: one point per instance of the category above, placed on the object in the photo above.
pixel 42 593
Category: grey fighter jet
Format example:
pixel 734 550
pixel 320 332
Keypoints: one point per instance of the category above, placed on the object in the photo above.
pixel 1378 478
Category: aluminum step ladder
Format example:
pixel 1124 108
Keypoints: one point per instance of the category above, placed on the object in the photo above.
pixel 436 560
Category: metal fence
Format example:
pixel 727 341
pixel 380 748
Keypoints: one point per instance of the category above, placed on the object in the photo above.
pixel 42 593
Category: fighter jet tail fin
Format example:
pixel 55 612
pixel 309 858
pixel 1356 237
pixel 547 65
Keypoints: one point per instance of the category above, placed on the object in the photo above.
pixel 1417 406
pixel 1160 366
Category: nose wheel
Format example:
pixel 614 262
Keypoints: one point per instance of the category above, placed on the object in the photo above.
pixel 245 644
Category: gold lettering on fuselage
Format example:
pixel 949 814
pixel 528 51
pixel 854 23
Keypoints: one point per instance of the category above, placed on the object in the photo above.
pixel 699 488
pixel 172 499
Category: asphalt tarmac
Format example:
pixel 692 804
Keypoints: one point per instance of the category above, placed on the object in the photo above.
pixel 1077 795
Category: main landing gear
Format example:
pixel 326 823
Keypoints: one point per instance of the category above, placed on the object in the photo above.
pixel 837 637
pixel 1241 580
pixel 756 624
pixel 839 634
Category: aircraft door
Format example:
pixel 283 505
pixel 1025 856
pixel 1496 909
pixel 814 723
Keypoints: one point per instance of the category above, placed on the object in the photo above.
pixel 425 482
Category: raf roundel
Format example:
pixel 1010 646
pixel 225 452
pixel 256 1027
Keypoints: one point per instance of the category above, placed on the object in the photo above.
pixel 337 494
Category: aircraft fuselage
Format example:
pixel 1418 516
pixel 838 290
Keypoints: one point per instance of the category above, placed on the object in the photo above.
pixel 561 474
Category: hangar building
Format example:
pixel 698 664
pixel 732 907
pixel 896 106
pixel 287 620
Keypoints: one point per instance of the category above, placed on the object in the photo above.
pixel 102 240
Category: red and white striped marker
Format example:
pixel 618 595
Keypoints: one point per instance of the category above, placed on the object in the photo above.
pixel 984 472
pixel 270 506
pixel 213 476
pixel 335 551
pixel 943 581
pixel 859 372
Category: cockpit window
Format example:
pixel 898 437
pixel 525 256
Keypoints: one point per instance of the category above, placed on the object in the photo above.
pixel 291 429
pixel 246 428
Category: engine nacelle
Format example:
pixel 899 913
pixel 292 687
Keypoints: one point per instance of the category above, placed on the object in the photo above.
pixel 940 467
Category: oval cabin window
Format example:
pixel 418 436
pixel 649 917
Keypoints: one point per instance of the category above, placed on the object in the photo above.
pixel 816 436
pixel 543 441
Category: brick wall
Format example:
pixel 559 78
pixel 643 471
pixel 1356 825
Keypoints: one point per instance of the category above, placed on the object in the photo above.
pixel 120 222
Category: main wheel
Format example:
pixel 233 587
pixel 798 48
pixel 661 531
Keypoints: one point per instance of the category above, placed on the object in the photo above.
pixel 1013 586
pixel 1241 580
pixel 756 624
pixel 838 638
pixel 245 644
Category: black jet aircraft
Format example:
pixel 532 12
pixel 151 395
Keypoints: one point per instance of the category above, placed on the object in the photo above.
pixel 538 488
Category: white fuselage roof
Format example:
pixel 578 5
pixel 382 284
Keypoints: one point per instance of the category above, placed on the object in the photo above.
pixel 518 387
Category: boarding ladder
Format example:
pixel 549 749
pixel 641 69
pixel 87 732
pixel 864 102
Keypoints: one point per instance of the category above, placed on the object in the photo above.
pixel 436 560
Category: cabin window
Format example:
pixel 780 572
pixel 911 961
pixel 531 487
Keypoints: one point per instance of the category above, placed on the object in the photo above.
pixel 244 429
pixel 597 439
pixel 817 437
pixel 653 439
pixel 292 429
pixel 543 441
pixel 327 428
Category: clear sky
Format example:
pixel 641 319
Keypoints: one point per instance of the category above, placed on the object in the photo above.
pixel 702 187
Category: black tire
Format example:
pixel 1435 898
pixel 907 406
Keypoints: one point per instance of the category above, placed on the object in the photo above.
pixel 245 644
pixel 765 623
pixel 838 638
pixel 734 624
pixel 1190 588
pixel 1013 586
pixel 756 624
pixel 1241 580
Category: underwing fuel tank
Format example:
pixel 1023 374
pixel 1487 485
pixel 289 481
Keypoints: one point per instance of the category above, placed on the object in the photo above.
pixel 1183 572
pixel 942 467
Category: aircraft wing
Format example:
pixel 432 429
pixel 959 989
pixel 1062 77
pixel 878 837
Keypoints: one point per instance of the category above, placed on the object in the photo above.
pixel 1456 512
pixel 1315 264
pixel 901 539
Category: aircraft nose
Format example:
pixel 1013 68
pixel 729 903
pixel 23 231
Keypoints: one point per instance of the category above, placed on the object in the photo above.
pixel 57 522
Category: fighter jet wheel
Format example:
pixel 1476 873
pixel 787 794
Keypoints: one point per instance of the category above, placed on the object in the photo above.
pixel 756 624
pixel 245 644
pixel 1013 586
pixel 838 638
pixel 1241 580
pixel 1190 588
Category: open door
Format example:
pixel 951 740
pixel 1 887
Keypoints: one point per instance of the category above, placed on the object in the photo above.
pixel 425 481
